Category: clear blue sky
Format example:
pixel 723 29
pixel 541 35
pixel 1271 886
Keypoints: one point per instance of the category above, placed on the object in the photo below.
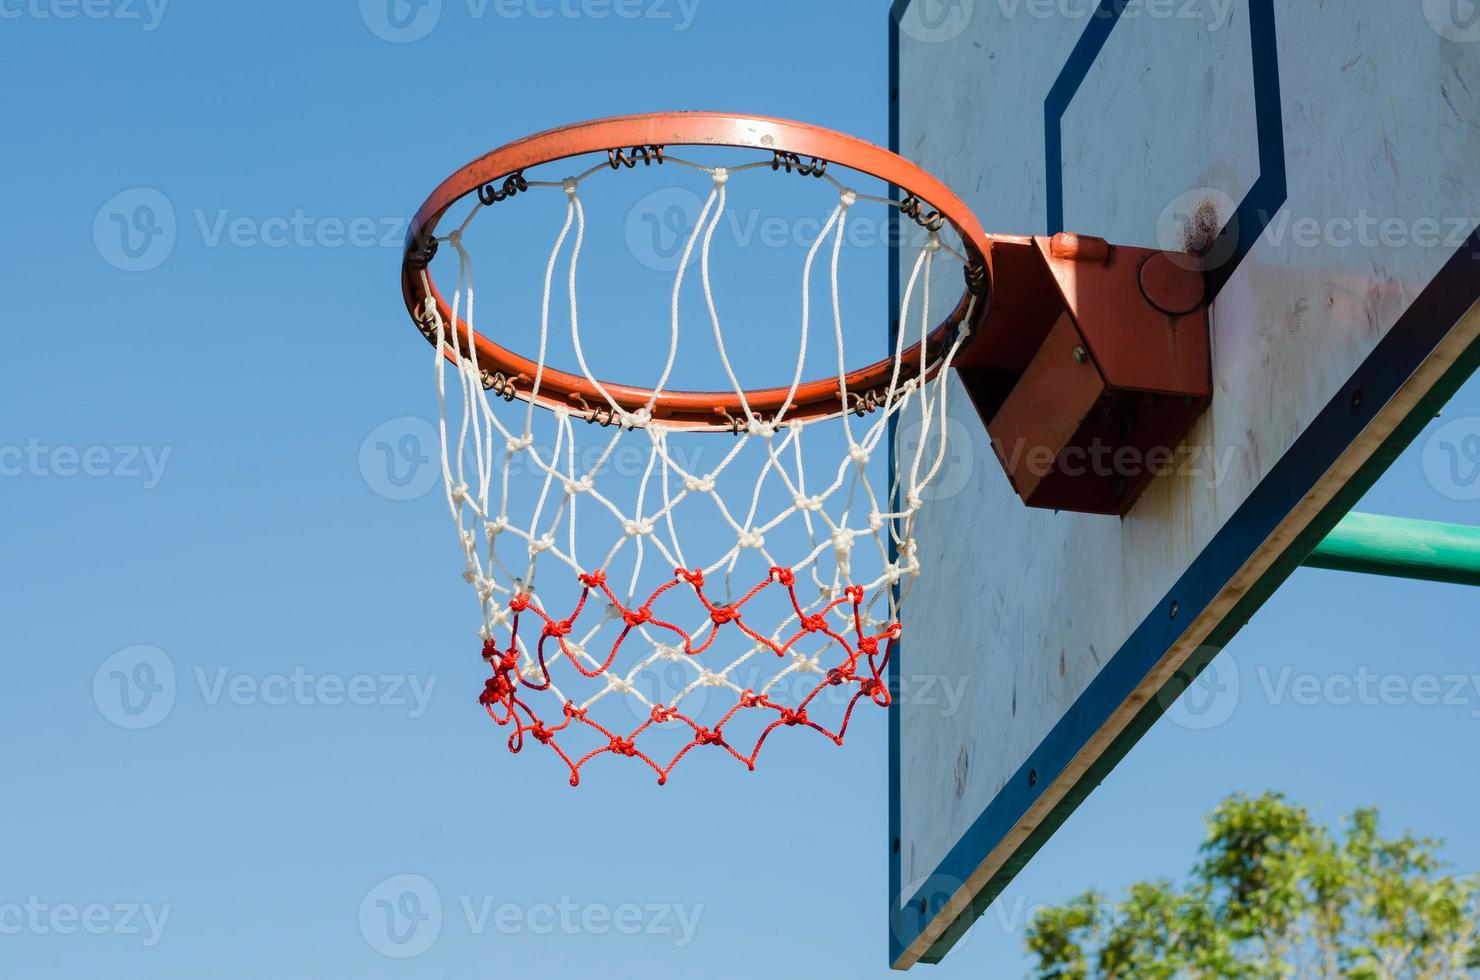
pixel 193 486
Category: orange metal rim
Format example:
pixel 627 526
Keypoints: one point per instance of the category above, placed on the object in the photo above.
pixel 511 373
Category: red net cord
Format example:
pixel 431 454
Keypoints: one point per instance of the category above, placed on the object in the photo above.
pixel 863 658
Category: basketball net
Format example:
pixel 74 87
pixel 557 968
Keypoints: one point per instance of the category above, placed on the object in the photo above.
pixel 789 623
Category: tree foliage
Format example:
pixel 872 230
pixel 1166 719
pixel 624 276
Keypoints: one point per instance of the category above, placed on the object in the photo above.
pixel 1275 895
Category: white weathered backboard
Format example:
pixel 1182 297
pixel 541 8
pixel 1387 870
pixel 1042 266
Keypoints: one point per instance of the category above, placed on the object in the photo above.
pixel 1327 159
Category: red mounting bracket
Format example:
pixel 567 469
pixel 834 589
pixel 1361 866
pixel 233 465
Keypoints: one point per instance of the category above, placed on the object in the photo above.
pixel 1091 369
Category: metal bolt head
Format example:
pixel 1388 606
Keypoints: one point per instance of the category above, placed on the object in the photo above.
pixel 1080 355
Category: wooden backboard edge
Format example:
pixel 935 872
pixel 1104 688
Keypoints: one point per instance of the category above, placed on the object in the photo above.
pixel 1427 355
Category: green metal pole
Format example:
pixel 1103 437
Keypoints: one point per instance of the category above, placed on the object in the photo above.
pixel 1401 547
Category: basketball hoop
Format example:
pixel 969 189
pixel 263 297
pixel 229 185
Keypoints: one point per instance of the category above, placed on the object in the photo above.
pixel 794 586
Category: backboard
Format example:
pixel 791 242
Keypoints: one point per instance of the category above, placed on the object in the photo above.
pixel 1325 161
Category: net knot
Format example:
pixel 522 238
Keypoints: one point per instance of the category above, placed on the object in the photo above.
pixel 636 617
pixel 710 679
pixel 858 454
pixel 571 711
pixel 635 420
pixel 854 594
pixel 750 540
pixel 704 736
pixel 875 521
pixel 619 684
pixel 594 580
pixel 749 699
pixel 849 197
pixel 756 427
pixel 498 689
pixel 558 627
pixel 694 578
pixel 570 184
pixel 814 624
pixel 491 650
pixel 868 645
pixel 868 687
pixel 541 733
pixel 841 675
pixel 662 714
pixel 784 576
pixel 723 614
pixel 807 503
pixel 698 484
pixel 541 544
pixel 583 485
pixel 459 492
pixel 623 746
pixel 842 540
pixel 721 175
pixel 520 602
pixel 914 500
pixel 792 718
pixel 519 443
pixel 636 528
